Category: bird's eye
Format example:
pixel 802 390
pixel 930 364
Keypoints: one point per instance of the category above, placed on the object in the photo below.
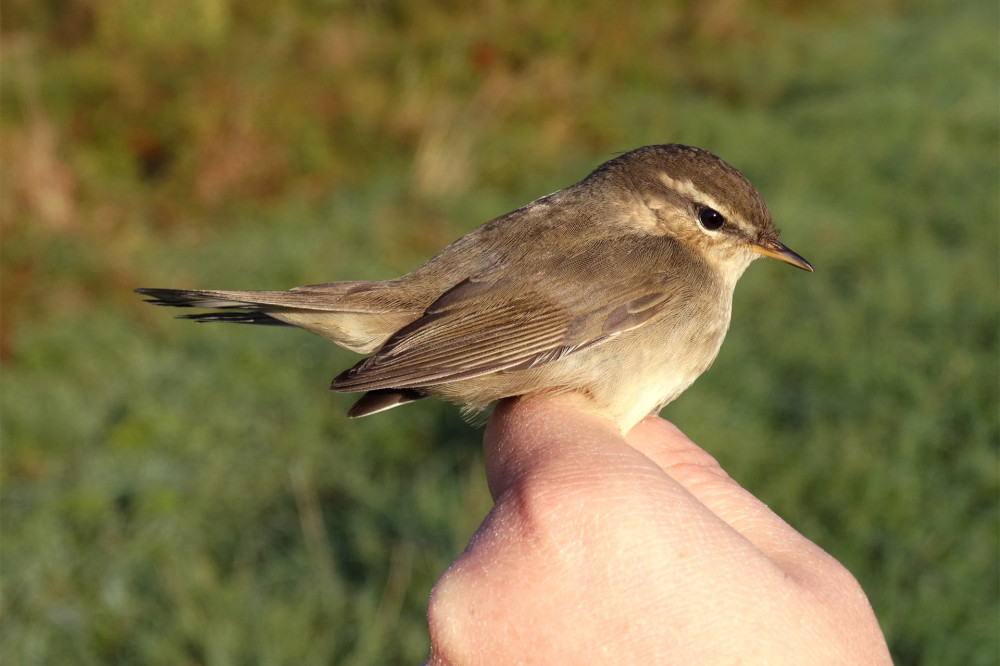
pixel 710 218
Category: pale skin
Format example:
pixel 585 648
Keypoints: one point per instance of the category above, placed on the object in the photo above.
pixel 635 549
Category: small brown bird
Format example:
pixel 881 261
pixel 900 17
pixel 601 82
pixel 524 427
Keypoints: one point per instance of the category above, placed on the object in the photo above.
pixel 619 287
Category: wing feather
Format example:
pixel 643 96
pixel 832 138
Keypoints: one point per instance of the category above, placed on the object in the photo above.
pixel 503 322
pixel 459 348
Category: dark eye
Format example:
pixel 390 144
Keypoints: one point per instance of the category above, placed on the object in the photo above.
pixel 710 218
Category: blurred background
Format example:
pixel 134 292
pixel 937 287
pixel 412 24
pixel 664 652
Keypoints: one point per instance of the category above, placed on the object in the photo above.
pixel 181 494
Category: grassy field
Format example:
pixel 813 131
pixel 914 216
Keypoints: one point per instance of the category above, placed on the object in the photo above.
pixel 180 494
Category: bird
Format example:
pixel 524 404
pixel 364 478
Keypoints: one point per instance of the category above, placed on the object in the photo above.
pixel 618 287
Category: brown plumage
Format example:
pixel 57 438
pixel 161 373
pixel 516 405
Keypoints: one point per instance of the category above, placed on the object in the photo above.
pixel 619 287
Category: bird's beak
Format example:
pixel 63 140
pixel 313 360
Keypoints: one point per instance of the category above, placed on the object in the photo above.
pixel 776 250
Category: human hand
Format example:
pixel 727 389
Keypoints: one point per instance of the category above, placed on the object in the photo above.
pixel 635 550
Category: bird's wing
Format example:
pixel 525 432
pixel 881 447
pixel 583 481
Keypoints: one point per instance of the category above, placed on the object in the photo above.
pixel 510 320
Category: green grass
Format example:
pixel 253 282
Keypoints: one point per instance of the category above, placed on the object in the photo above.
pixel 174 493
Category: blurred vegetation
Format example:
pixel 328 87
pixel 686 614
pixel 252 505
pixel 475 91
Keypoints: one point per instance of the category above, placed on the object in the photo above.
pixel 176 494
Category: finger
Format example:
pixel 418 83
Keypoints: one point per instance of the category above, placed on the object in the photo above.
pixel 561 466
pixel 589 528
pixel 582 527
pixel 532 434
pixel 702 476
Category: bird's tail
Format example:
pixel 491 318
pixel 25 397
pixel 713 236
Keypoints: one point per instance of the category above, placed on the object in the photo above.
pixel 303 298
pixel 356 315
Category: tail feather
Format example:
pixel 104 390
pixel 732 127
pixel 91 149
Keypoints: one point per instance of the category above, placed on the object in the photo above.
pixel 212 298
pixel 259 318
pixel 357 315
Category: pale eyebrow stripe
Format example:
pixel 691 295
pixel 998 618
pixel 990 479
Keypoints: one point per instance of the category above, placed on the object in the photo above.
pixel 688 189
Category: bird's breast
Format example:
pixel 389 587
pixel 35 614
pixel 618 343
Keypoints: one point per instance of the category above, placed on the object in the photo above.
pixel 643 370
